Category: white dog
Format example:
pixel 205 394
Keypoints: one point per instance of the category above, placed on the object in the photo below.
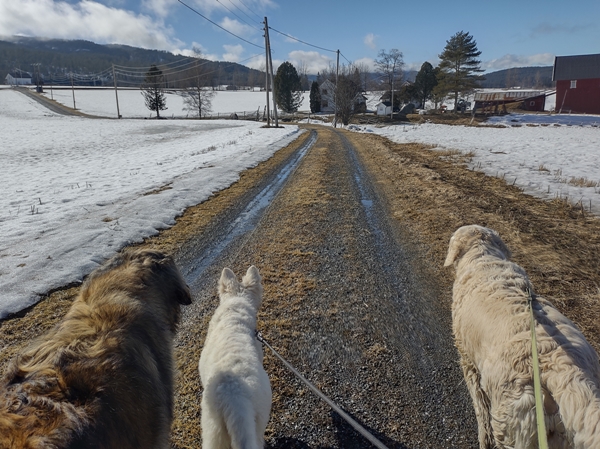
pixel 491 326
pixel 236 402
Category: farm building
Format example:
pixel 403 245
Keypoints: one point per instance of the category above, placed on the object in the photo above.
pixel 18 77
pixel 577 83
pixel 531 100
pixel 384 108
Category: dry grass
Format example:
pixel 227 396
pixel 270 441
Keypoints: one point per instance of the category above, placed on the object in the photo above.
pixel 556 243
pixel 583 182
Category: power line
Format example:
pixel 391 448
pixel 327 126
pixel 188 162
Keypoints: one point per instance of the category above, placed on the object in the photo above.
pixel 250 25
pixel 244 12
pixel 345 58
pixel 219 26
pixel 250 9
pixel 305 43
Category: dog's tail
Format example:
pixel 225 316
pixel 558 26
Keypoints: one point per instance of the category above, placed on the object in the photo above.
pixel 576 394
pixel 231 398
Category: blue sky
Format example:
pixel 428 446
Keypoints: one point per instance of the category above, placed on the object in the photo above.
pixel 509 33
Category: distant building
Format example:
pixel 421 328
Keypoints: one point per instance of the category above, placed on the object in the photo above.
pixel 327 91
pixel 18 77
pixel 384 108
pixel 531 100
pixel 577 83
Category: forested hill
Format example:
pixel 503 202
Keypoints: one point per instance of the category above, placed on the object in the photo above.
pixel 57 57
pixel 524 77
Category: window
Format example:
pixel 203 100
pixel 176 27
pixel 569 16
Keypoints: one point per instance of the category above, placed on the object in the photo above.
pixel 573 84
pixel 324 103
pixel 532 103
pixel 325 90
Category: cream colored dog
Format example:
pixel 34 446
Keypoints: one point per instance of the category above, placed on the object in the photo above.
pixel 236 402
pixel 491 326
pixel 103 376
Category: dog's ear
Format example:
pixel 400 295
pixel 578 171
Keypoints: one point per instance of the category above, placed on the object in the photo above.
pixel 252 277
pixel 228 282
pixel 454 249
pixel 495 239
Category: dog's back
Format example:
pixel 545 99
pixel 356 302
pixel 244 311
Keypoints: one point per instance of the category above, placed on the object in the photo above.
pixel 491 323
pixel 101 378
pixel 236 401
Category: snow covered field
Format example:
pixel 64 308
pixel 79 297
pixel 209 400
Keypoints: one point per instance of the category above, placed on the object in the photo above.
pixel 546 160
pixel 76 190
pixel 103 102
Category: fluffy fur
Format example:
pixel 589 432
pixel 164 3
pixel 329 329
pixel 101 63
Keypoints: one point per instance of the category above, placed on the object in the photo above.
pixel 103 376
pixel 236 402
pixel 492 330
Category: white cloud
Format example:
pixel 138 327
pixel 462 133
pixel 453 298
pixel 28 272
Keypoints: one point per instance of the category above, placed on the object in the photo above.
pixel 369 62
pixel 233 53
pixel 85 20
pixel 237 28
pixel 508 61
pixel 203 51
pixel 161 8
pixel 314 61
pixel 369 41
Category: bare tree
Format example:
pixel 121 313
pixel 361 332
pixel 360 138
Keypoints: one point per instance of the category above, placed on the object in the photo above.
pixel 197 98
pixel 389 65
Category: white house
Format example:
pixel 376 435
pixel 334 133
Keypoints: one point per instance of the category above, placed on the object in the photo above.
pixel 327 91
pixel 18 78
pixel 384 108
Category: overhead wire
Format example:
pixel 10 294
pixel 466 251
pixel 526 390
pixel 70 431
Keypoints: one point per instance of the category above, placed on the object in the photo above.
pixel 219 26
pixel 244 12
pixel 301 41
pixel 250 25
pixel 249 9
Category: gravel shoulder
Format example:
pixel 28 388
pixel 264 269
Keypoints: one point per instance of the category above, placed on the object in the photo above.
pixel 351 255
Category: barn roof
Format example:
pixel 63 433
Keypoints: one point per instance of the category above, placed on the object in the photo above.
pixel 578 67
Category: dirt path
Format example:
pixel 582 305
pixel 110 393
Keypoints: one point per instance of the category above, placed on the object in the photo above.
pixel 53 105
pixel 351 254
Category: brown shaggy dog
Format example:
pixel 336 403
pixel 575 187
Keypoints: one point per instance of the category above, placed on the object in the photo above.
pixel 103 376
pixel 491 323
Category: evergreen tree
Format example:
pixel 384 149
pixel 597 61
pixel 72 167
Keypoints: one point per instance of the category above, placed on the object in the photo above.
pixel 153 90
pixel 459 65
pixel 425 82
pixel 288 91
pixel 315 97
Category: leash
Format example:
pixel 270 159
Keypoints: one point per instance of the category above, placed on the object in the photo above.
pixel 537 383
pixel 360 429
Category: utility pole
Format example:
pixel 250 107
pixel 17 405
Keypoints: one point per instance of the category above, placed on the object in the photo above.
pixel 337 72
pixel 271 71
pixel 267 73
pixel 116 94
pixel 73 90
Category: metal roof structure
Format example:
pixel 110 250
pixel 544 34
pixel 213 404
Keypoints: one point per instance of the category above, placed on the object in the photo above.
pixel 579 67
pixel 508 96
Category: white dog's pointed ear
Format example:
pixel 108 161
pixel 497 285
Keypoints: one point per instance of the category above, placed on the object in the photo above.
pixel 252 277
pixel 228 281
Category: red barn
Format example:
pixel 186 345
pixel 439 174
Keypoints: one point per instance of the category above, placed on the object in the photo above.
pixel 577 83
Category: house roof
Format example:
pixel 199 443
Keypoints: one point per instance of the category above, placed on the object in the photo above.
pixel 18 73
pixel 579 67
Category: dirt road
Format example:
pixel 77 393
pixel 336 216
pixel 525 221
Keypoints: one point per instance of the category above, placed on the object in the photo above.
pixel 351 252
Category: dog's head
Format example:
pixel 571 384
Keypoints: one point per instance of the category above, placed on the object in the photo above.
pixel 250 286
pixel 149 275
pixel 466 237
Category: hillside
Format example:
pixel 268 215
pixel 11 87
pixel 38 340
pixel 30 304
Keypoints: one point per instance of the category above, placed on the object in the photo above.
pixel 92 63
pixel 534 77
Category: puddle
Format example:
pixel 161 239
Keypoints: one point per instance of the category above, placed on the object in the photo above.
pixel 249 217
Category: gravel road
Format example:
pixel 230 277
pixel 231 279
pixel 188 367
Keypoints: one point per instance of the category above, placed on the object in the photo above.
pixel 348 304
